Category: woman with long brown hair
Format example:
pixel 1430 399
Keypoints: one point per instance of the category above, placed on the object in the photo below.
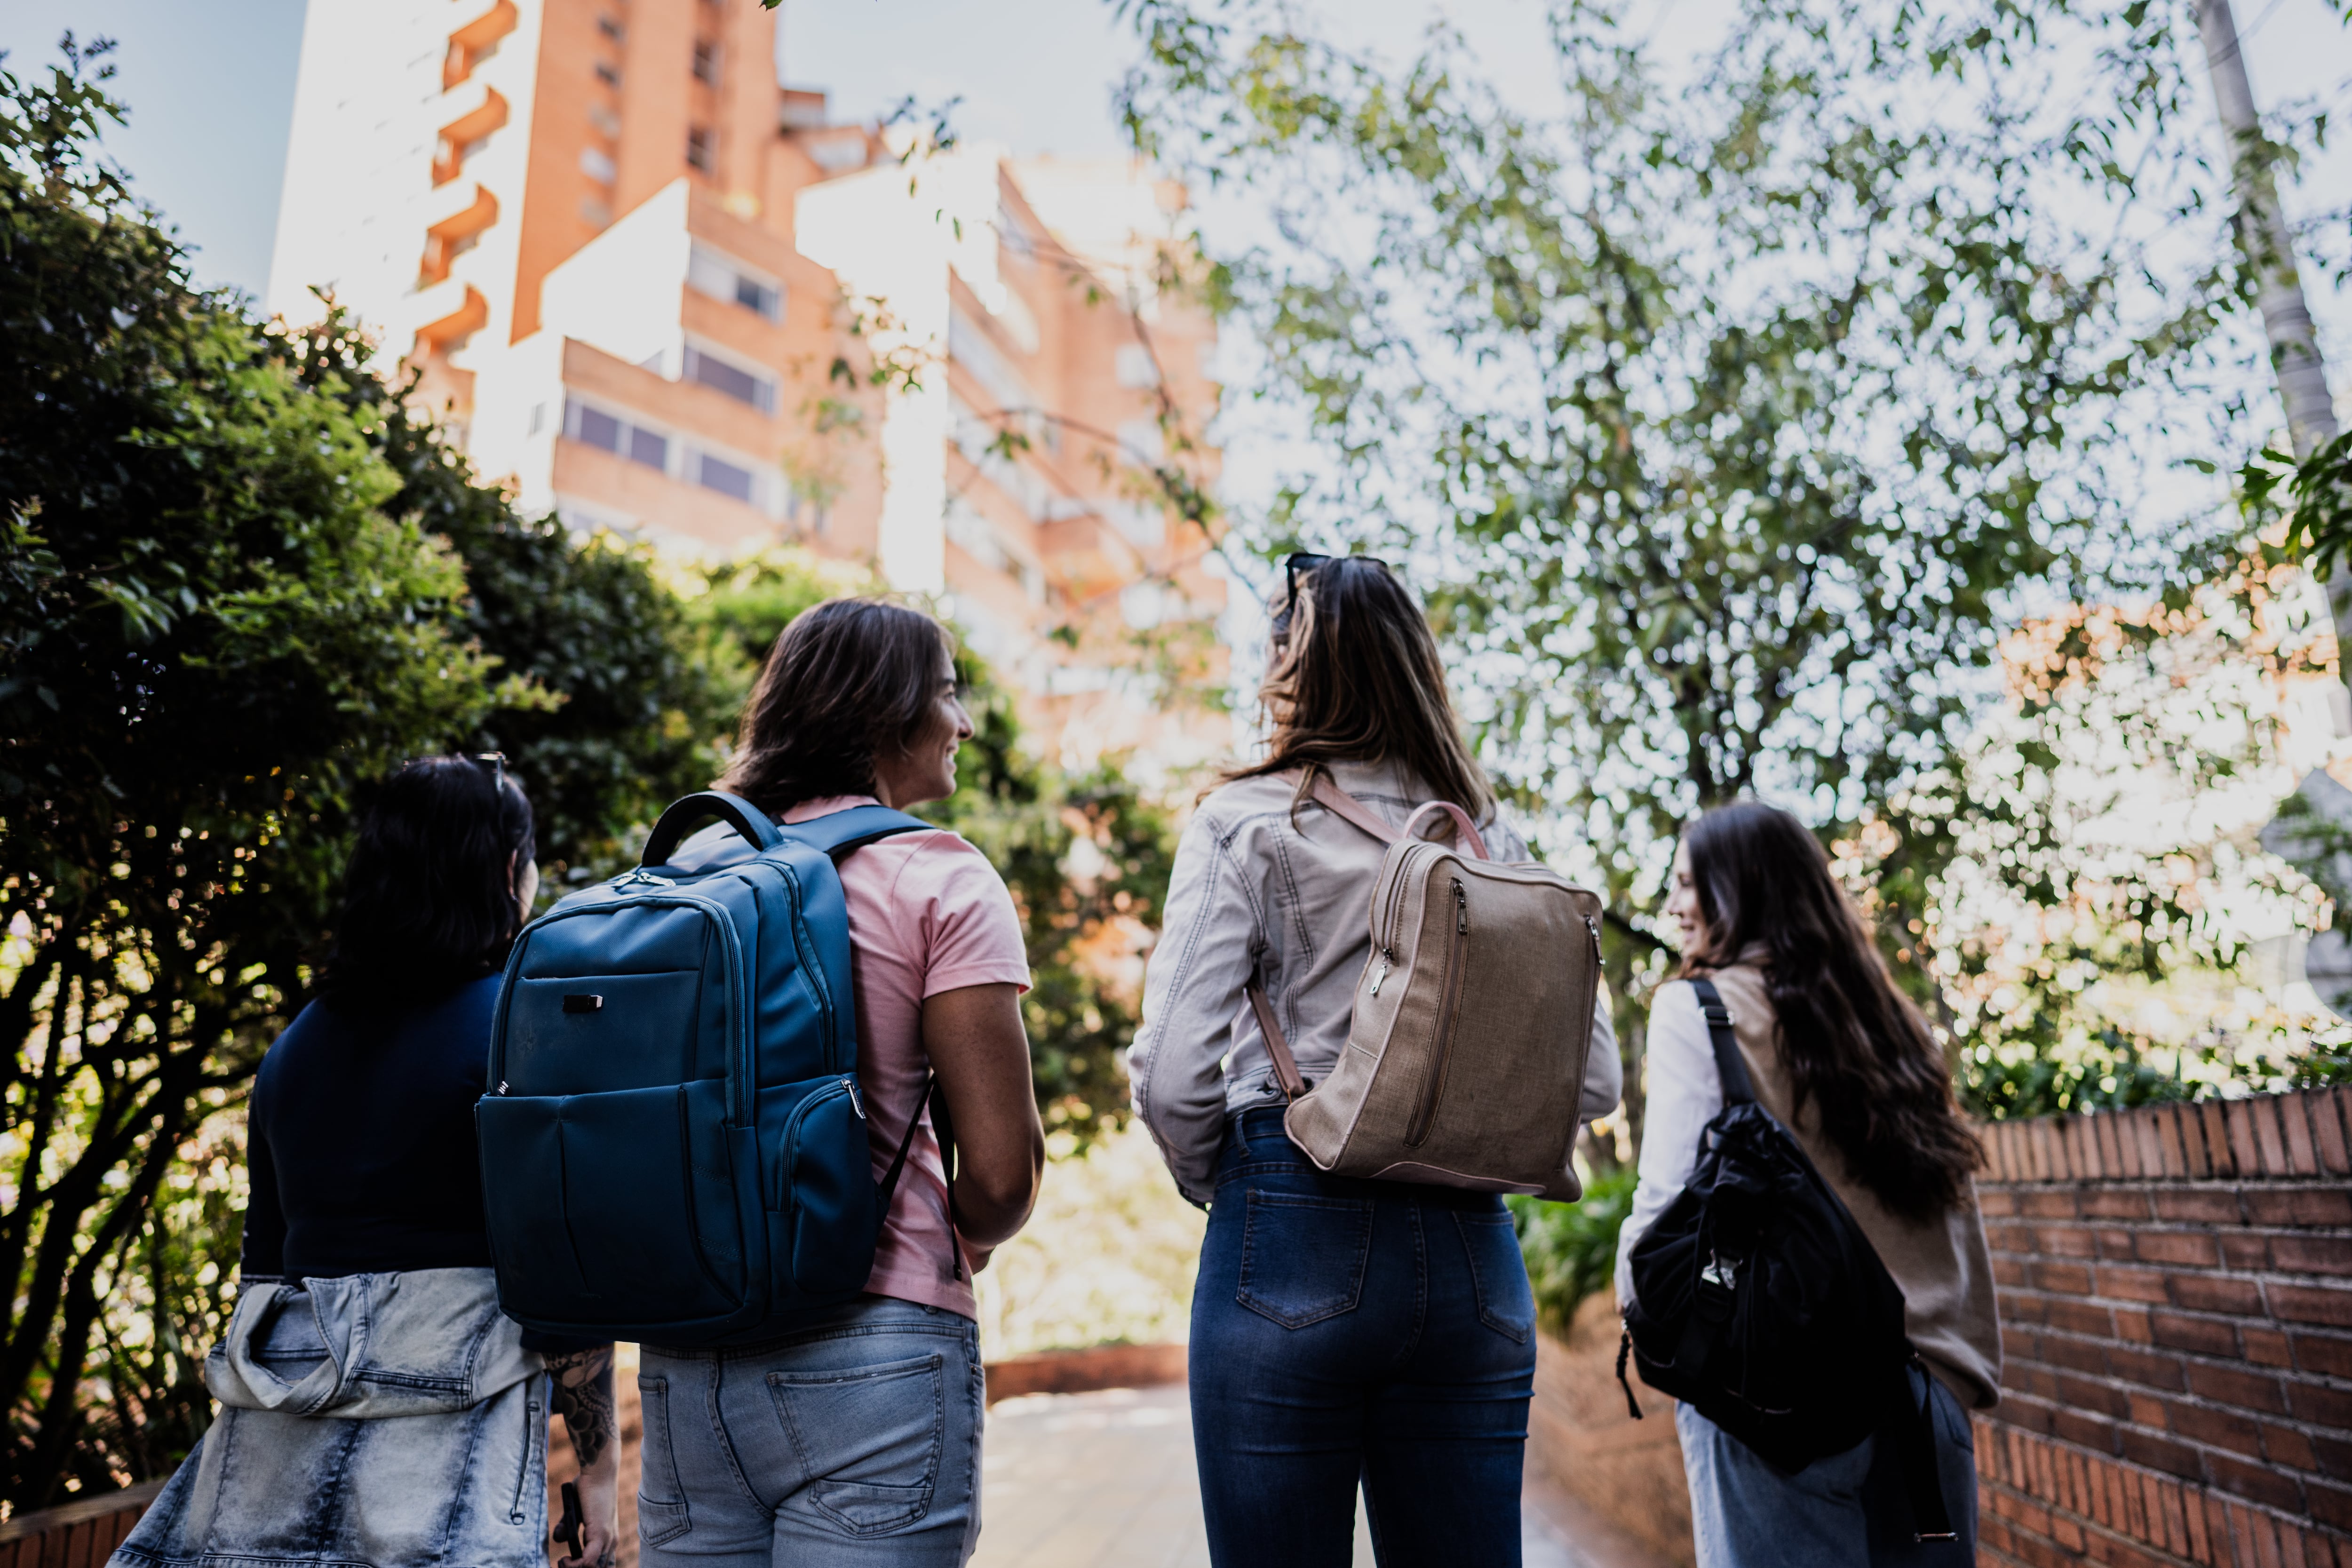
pixel 1842 1060
pixel 1345 1332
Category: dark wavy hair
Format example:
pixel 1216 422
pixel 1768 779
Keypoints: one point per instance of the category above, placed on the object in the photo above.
pixel 1357 678
pixel 1855 1045
pixel 429 894
pixel 848 679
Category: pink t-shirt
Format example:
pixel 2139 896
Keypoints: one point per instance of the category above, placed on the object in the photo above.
pixel 928 913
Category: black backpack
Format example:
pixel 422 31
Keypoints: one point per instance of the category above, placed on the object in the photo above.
pixel 1759 1302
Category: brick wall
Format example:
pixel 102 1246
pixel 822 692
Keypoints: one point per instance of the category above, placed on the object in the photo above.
pixel 2176 1301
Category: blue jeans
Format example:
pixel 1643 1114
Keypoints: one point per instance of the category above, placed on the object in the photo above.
pixel 1849 1509
pixel 854 1441
pixel 1349 1330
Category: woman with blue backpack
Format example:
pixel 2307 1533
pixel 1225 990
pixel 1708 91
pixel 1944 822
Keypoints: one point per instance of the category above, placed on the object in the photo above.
pixel 1784 1054
pixel 848 1432
pixel 376 1407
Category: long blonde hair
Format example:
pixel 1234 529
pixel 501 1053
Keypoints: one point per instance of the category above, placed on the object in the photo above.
pixel 1357 678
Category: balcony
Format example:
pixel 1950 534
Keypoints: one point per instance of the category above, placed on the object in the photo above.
pixel 476 38
pixel 454 214
pixel 450 312
pixel 477 110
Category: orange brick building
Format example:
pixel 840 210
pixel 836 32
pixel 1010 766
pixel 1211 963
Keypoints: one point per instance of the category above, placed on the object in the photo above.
pixel 659 294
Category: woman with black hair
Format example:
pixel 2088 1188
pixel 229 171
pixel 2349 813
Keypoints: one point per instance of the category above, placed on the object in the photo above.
pixel 365 1292
pixel 1842 1060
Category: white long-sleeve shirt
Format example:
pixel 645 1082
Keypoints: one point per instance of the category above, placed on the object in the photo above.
pixel 1686 1094
pixel 1253 893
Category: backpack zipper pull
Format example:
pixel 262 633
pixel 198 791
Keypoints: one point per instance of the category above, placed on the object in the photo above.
pixel 855 1103
pixel 1383 973
pixel 1461 908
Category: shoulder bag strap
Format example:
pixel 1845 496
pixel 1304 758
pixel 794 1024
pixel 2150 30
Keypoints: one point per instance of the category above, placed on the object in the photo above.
pixel 1728 1063
pixel 1285 1066
pixel 934 1099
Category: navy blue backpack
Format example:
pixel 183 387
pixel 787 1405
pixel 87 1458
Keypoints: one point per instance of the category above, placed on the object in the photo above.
pixel 673 1145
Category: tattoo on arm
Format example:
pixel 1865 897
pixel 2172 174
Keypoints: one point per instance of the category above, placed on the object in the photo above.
pixel 584 1397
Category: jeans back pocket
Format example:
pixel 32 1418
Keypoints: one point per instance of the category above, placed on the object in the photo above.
pixel 1498 1273
pixel 662 1513
pixel 1303 1257
pixel 869 1439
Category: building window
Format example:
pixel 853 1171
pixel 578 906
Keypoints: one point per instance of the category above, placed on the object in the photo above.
pixel 706 62
pixel 723 278
pixel 597 166
pixel 720 375
pixel 595 214
pixel 604 119
pixel 718 474
pixel 697 149
pixel 608 73
pixel 593 427
pixel 611 27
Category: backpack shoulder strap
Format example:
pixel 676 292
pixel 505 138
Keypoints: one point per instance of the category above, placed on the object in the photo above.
pixel 1728 1063
pixel 1348 808
pixel 841 833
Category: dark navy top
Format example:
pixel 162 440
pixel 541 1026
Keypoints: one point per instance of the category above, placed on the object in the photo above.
pixel 360 1143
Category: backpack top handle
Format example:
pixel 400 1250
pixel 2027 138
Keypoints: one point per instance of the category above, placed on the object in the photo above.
pixel 732 809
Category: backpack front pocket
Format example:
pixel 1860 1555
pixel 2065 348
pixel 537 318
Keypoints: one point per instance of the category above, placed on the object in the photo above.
pixel 626 1199
pixel 820 1187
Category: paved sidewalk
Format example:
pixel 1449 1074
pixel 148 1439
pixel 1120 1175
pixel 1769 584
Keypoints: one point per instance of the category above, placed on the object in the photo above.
pixel 1105 1481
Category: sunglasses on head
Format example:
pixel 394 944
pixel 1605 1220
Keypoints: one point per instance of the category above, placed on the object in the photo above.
pixel 1309 561
pixel 494 761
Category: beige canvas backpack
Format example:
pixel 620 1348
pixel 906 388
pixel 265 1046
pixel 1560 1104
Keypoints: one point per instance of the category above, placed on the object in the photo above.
pixel 1465 1059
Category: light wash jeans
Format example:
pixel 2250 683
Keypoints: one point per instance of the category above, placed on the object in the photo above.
pixel 1848 1510
pixel 854 1441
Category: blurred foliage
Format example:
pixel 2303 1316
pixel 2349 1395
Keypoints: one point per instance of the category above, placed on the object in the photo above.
pixel 629 702
pixel 1728 423
pixel 1572 1249
pixel 213 633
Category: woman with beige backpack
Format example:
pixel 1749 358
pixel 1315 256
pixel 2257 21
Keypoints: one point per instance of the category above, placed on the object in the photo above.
pixel 1354 1039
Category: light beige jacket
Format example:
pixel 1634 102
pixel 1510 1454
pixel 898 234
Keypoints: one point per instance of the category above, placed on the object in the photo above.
pixel 1253 892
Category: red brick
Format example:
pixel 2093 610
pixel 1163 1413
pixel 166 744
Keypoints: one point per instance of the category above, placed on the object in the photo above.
pixel 2132 1324
pixel 2186 1247
pixel 2219 1160
pixel 2078 1135
pixel 2245 1249
pixel 2332 1455
pixel 2266 1347
pixel 2206 1336
pixel 2082 1427
pixel 2126 1283
pixel 2302 1156
pixel 2311 1304
pixel 2166 1121
pixel 2148 1133
pixel 2041 1152
pixel 2114 1203
pixel 2331 1506
pixel 2092 1395
pixel 2086 1356
pixel 2099 1134
pixel 2237 1121
pixel 2081 1318
pixel 2312 1254
pixel 2149 1410
pixel 2216 1428
pixel 2285 1445
pixel 2008 1270
pixel 2162 1453
pixel 2246 1390
pixel 2270 1135
pixel 2216 1293
pixel 2047 1203
pixel 2326 1111
pixel 2302 1207
pixel 2114 1240
pixel 1995 1203
pixel 2065 1241
pixel 2198 1206
pixel 2064 1278
pixel 2323 1354
pixel 2149 1369
pixel 2320 1406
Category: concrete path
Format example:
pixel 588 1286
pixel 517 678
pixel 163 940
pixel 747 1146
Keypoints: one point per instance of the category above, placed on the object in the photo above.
pixel 1106 1480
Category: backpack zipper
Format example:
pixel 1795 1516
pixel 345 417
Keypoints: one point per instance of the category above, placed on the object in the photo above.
pixel 1389 920
pixel 1449 1008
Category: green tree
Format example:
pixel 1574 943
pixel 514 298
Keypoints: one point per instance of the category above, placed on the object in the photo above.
pixel 212 633
pixel 1732 422
pixel 628 698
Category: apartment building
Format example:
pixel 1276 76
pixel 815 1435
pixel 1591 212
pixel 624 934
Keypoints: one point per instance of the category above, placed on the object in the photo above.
pixel 659 294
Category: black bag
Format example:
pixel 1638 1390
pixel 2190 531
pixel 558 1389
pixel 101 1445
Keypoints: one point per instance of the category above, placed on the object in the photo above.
pixel 1759 1302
